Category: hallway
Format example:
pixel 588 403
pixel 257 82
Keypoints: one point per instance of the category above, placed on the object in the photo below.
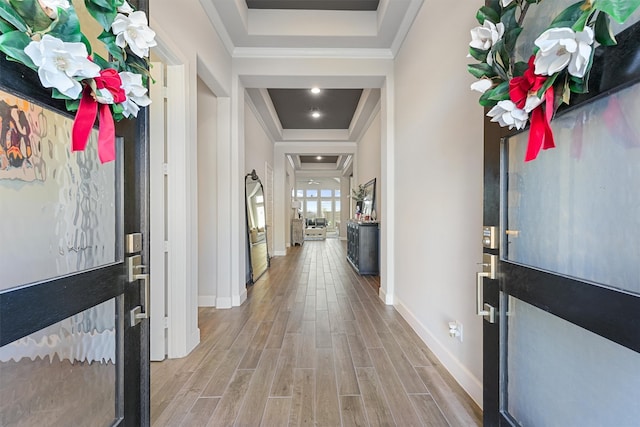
pixel 312 345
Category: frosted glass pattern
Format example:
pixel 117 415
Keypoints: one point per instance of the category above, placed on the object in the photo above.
pixel 562 375
pixel 57 207
pixel 575 210
pixel 62 375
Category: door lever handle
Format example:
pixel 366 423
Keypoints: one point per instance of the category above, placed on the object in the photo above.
pixel 134 268
pixel 484 310
pixel 136 314
pixel 489 266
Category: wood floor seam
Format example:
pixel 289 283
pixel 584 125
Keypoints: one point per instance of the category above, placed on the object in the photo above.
pixel 313 344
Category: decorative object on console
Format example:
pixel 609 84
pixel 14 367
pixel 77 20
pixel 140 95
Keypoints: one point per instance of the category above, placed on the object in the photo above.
pixel 369 200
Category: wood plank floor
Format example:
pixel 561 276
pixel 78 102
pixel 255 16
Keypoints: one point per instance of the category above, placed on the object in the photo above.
pixel 312 345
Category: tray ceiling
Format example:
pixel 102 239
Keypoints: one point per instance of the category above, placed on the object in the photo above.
pixel 314 4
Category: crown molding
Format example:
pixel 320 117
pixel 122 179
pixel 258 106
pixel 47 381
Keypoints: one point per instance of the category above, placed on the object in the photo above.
pixel 287 53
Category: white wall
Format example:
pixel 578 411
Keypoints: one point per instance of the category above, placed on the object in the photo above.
pixel 207 182
pixel 258 150
pixel 258 147
pixel 190 47
pixel 438 187
pixel 369 159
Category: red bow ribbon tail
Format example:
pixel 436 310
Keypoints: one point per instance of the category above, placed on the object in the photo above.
pixel 83 123
pixel 106 135
pixel 540 134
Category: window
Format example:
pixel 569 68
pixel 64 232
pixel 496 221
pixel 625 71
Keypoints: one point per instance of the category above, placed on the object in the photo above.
pixel 326 193
pixel 312 193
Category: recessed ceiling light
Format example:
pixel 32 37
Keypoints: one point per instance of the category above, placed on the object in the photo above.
pixel 315 114
pixel 315 90
pixel 319 157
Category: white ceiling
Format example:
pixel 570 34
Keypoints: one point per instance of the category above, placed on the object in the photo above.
pixel 262 33
pixel 246 30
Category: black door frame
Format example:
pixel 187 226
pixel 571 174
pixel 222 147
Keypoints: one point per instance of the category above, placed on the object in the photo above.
pixel 604 311
pixel 64 296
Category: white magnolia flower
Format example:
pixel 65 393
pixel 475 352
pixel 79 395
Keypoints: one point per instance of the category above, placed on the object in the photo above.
pixel 561 48
pixel 134 31
pixel 103 96
pixel 505 3
pixel 50 7
pixel 487 35
pixel 125 8
pixel 507 114
pixel 61 64
pixel 136 93
pixel 532 103
pixel 481 85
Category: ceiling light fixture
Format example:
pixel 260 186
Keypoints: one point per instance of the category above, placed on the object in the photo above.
pixel 315 113
pixel 319 157
pixel 315 90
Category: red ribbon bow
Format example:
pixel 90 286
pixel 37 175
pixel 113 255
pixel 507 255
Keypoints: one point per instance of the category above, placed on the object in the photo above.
pixel 540 134
pixel 86 116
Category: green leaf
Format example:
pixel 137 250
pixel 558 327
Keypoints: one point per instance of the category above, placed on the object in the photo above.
pixel 101 62
pixel 5 27
pixel 56 94
pixel 500 92
pixel 72 104
pixel 109 40
pixel 486 101
pixel 582 20
pixel 578 85
pixel 32 13
pixel 510 39
pixel 602 30
pixel 568 17
pixel 486 12
pixel 67 26
pixel 103 14
pixel 547 84
pixel 11 16
pixel 509 19
pixel 87 43
pixel 13 44
pixel 519 68
pixel 619 10
pixel 105 4
pixel 478 54
pixel 481 70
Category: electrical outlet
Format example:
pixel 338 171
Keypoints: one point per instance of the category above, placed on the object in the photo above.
pixel 455 330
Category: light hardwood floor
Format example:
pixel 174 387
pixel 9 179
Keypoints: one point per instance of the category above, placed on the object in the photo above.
pixel 312 345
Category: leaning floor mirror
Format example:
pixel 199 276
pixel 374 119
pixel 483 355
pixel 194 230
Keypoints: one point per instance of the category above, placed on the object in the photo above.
pixel 257 253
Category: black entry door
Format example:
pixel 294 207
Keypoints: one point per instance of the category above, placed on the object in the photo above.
pixel 71 350
pixel 564 346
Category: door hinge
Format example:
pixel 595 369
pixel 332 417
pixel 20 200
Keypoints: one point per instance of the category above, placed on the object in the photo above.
pixel 166 322
pixel 166 246
pixel 165 168
pixel 165 92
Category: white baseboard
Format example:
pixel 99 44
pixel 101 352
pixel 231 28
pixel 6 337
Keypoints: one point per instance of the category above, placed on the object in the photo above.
pixel 279 253
pixel 206 300
pixel 194 340
pixel 471 384
pixel 223 302
pixel 237 300
pixel 382 295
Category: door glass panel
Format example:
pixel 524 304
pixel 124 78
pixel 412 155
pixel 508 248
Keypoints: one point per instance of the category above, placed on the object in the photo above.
pixel 65 374
pixel 557 373
pixel 58 208
pixel 575 210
